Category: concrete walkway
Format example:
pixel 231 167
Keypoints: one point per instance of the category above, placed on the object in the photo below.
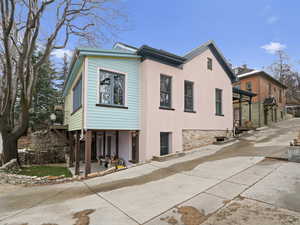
pixel 196 188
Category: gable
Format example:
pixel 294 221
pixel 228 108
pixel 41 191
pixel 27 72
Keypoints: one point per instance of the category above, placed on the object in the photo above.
pixel 216 53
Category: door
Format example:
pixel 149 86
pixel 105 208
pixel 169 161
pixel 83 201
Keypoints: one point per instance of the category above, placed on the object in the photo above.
pixel 134 147
pixel 109 145
pixel 164 143
pixel 236 115
pixel 100 152
pixel 266 117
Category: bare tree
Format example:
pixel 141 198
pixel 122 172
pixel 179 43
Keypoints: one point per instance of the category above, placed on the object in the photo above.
pixel 27 24
pixel 283 70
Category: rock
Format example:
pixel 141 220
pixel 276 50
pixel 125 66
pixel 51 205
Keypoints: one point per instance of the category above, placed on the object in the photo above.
pixel 92 175
pixel 10 167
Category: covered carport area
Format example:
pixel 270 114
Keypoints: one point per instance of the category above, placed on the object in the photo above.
pixel 239 97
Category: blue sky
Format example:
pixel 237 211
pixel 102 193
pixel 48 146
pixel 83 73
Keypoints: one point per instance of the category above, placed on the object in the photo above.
pixel 241 28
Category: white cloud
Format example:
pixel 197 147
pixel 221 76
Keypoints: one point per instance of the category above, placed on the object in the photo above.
pixel 272 19
pixel 60 53
pixel 273 47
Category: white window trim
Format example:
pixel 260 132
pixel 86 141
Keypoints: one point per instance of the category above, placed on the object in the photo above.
pixel 113 71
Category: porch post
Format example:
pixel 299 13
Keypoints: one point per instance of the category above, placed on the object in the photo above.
pixel 72 149
pixel 77 148
pixel 87 151
pixel 117 143
pixel 250 110
pixel 240 112
pixel 104 143
pixel 137 145
pixel 95 144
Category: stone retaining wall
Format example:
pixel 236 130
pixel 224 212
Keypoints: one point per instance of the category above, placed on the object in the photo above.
pixel 46 146
pixel 197 138
pixel 15 179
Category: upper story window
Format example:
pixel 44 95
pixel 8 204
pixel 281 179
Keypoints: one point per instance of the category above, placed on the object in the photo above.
pixel 270 89
pixel 249 86
pixel 112 88
pixel 209 63
pixel 219 110
pixel 77 95
pixel 165 91
pixel 188 96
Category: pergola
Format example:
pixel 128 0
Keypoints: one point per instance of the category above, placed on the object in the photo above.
pixel 240 96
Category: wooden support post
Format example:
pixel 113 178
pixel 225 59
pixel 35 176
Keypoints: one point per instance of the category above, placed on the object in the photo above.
pixel 77 152
pixel 250 110
pixel 240 112
pixel 95 144
pixel 72 149
pixel 117 143
pixel 137 146
pixel 88 151
pixel 104 143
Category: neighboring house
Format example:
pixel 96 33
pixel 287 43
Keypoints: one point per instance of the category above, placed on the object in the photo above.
pixel 293 105
pixel 137 103
pixel 269 104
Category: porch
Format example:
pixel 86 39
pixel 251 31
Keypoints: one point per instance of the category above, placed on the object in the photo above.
pixel 239 97
pixel 97 150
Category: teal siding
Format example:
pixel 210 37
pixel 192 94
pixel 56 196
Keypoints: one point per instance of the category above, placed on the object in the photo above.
pixel 98 117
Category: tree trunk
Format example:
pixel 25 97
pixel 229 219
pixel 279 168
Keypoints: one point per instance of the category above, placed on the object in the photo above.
pixel 9 147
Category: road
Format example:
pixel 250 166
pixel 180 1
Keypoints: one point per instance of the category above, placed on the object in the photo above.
pixel 230 184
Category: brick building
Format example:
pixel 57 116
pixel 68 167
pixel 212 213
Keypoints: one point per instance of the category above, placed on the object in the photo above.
pixel 268 106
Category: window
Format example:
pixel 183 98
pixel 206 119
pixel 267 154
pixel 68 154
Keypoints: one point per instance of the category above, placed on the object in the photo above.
pixel 219 102
pixel 164 143
pixel 188 96
pixel 77 93
pixel 165 91
pixel 112 88
pixel 209 64
pixel 249 86
pixel 237 87
pixel 270 89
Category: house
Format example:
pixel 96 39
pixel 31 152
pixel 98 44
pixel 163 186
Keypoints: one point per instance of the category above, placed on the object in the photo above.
pixel 137 103
pixel 268 106
pixel 293 105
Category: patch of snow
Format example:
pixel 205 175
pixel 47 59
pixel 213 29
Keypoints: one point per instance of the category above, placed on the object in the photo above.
pixel 249 73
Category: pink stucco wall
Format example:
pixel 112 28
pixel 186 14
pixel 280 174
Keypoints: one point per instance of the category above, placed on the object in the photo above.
pixel 155 120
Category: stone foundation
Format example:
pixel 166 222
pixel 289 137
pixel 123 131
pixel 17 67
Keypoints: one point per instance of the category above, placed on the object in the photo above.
pixel 197 138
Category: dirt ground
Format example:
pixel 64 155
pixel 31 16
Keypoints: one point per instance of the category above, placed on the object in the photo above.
pixel 249 212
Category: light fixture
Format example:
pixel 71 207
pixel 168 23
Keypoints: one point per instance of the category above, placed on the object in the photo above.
pixel 53 117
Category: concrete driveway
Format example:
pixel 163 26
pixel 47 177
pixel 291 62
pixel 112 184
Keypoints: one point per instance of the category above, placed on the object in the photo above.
pixel 229 184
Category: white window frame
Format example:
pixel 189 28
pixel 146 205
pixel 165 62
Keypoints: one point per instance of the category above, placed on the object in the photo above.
pixel 113 71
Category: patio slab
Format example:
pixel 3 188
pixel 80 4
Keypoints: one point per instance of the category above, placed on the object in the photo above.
pixel 281 188
pixel 200 207
pixel 227 190
pixel 152 198
pixel 101 213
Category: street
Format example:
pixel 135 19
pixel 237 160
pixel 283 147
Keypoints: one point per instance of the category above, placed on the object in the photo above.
pixel 240 182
